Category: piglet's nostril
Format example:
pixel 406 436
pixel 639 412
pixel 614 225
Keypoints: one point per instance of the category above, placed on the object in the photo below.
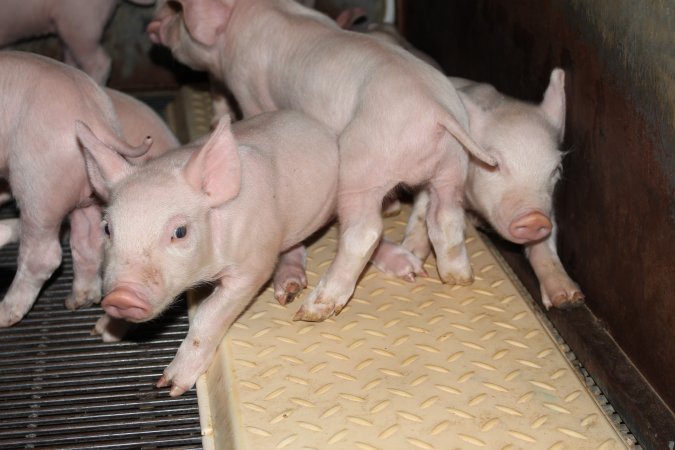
pixel 125 303
pixel 531 227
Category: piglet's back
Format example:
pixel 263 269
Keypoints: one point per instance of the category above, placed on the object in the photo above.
pixel 301 160
pixel 35 80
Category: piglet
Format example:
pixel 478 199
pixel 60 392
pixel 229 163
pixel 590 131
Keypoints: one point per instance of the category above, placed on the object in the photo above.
pixel 516 197
pixel 41 159
pixel 215 212
pixel 79 24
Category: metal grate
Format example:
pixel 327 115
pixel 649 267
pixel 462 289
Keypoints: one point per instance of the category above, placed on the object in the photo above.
pixel 61 387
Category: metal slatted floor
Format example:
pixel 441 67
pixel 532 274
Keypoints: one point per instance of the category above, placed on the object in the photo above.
pixel 61 387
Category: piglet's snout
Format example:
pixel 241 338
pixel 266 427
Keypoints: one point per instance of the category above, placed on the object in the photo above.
pixel 531 226
pixel 124 303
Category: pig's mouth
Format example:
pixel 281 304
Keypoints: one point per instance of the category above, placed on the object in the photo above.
pixel 125 303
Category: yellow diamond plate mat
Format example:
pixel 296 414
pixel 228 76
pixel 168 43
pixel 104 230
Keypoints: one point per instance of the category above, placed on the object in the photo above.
pixel 405 365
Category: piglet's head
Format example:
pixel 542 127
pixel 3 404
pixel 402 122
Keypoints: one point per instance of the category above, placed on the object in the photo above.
pixel 516 197
pixel 160 227
pixel 190 28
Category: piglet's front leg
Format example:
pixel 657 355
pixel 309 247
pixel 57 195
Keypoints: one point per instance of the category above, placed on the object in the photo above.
pixel 214 316
pixel 111 329
pixel 10 230
pixel 557 288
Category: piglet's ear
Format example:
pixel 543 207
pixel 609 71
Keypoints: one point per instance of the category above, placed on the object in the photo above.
pixel 350 17
pixel 205 19
pixel 105 166
pixel 215 169
pixel 553 104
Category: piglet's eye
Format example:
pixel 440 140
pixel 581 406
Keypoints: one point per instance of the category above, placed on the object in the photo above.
pixel 179 233
pixel 106 228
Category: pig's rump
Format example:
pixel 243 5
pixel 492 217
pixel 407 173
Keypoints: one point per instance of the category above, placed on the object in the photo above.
pixel 43 149
pixel 41 158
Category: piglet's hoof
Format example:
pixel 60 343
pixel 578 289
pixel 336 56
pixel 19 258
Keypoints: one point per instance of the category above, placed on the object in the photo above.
pixel 398 262
pixel 317 312
pixel 175 389
pixel 559 291
pixel 82 298
pixel 568 300
pixel 460 281
pixel 287 293
pixel 8 315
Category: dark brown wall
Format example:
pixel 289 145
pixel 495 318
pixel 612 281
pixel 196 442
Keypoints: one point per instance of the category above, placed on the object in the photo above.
pixel 615 204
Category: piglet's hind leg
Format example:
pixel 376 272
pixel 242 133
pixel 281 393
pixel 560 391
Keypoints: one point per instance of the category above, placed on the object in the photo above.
pixel 445 221
pixel 39 257
pixel 416 237
pixel 86 243
pixel 360 231
pixel 289 276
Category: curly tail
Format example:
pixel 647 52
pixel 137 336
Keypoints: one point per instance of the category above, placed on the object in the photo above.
pixel 454 128
pixel 120 146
